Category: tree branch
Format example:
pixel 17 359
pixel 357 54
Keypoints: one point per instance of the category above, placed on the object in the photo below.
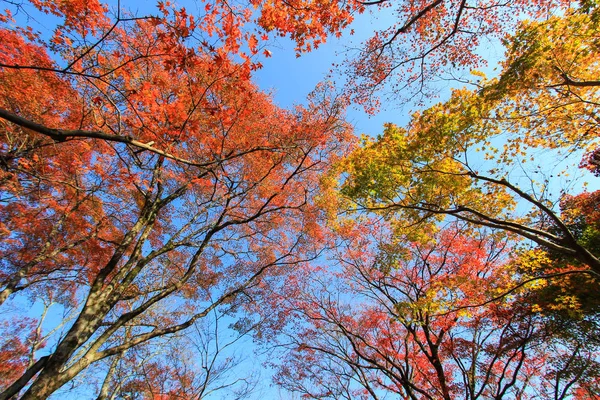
pixel 61 135
pixel 24 379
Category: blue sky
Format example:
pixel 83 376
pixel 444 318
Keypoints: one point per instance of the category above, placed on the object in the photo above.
pixel 290 79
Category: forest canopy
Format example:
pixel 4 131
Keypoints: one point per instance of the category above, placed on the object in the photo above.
pixel 159 210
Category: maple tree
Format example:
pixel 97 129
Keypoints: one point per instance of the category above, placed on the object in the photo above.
pixel 411 319
pixel 430 170
pixel 183 366
pixel 428 41
pixel 414 42
pixel 146 183
pixel 566 295
pixel 410 312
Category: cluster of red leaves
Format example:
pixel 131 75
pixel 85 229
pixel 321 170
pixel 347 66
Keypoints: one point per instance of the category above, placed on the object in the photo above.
pixel 137 167
pixel 429 40
pixel 416 320
pixel 15 353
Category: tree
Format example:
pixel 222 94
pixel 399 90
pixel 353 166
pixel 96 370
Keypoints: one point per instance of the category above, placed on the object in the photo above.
pixel 411 319
pixel 428 174
pixel 560 294
pixel 430 170
pixel 182 366
pixel 426 40
pixel 146 182
pixel 429 41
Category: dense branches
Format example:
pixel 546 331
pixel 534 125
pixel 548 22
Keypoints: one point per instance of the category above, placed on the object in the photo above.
pixel 396 324
pixel 148 186
pixel 145 187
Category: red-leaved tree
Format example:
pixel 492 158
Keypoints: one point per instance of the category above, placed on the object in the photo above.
pixel 146 183
pixel 424 320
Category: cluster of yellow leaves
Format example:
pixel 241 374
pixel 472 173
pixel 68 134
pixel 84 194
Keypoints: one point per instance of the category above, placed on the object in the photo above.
pixel 549 90
pixel 545 97
pixel 553 285
pixel 422 170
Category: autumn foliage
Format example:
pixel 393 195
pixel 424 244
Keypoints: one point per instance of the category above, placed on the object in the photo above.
pixel 152 198
pixel 413 320
pixel 394 322
pixel 145 183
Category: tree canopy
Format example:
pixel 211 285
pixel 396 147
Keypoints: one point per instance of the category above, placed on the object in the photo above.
pixel 157 207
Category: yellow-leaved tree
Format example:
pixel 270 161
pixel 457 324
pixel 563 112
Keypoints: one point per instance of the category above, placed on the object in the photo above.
pixel 491 155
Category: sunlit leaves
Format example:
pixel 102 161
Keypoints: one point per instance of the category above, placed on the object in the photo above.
pixel 462 158
pixel 146 181
pixel 548 92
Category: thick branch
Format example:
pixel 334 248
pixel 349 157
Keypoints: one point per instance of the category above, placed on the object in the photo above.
pixel 532 200
pixel 571 82
pixel 61 135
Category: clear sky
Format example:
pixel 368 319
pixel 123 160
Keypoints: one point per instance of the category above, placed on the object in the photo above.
pixel 290 79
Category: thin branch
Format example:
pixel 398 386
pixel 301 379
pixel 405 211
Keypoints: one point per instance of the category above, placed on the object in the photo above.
pixel 515 288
